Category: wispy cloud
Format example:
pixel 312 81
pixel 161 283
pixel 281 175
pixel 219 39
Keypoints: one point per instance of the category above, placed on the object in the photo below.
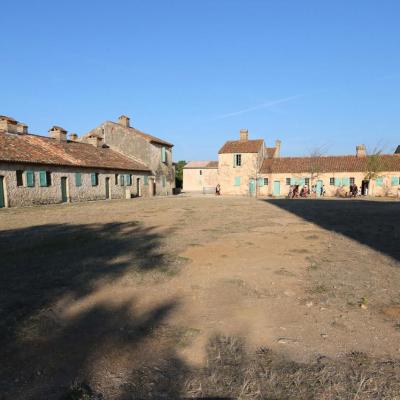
pixel 259 107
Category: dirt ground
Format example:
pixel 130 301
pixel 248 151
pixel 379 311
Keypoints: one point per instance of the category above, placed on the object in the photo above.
pixel 201 296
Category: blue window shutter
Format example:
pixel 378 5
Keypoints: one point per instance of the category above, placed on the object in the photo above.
pixel 237 180
pixel 302 181
pixel 395 181
pixel 42 178
pixel 379 181
pixel 338 182
pixel 128 180
pixel 260 182
pixel 346 181
pixel 145 180
pixel 78 179
pixel 93 178
pixel 163 154
pixel 30 178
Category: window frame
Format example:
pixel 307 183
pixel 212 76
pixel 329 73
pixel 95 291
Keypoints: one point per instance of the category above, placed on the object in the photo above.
pixel 332 181
pixel 237 160
pixel 288 181
pixel 19 177
pixel 94 178
pixel 266 181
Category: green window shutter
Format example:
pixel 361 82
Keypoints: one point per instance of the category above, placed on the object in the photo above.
pixel 122 179
pixel 260 182
pixel 93 179
pixel 78 179
pixel 395 181
pixel 293 181
pixel 145 179
pixel 42 178
pixel 237 180
pixel 30 178
pixel 302 181
pixel 128 180
pixel 346 181
pixel 379 181
pixel 338 182
pixel 163 154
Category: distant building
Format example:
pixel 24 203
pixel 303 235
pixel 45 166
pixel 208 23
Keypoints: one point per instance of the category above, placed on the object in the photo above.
pixel 42 170
pixel 155 153
pixel 247 167
pixel 200 176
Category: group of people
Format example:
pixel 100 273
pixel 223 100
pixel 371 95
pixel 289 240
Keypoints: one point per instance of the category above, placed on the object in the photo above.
pixel 354 190
pixel 295 191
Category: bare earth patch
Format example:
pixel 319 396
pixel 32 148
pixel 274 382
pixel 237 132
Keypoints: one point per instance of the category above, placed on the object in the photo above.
pixel 197 297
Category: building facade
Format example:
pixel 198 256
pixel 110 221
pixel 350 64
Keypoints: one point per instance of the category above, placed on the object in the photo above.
pixel 200 176
pixel 44 170
pixel 247 167
pixel 155 153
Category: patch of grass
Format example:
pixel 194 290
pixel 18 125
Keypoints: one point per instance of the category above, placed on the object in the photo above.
pixel 318 289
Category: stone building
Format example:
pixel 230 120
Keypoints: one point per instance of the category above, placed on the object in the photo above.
pixel 42 170
pixel 248 167
pixel 200 176
pixel 155 153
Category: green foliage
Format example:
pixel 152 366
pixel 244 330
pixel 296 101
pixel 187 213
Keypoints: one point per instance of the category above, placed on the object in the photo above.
pixel 179 173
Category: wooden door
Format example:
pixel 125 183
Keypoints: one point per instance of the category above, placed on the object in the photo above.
pixel 64 196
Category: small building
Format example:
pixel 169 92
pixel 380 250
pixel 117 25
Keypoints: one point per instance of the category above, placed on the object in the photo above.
pixel 150 150
pixel 200 176
pixel 43 170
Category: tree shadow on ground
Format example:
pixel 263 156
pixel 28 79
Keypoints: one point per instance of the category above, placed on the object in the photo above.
pixel 372 223
pixel 42 265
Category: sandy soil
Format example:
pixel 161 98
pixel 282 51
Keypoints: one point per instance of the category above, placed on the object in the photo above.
pixel 94 292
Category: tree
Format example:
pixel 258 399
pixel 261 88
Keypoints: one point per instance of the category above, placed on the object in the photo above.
pixel 374 165
pixel 179 173
pixel 315 167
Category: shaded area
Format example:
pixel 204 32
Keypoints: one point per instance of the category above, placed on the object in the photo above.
pixel 373 223
pixel 46 352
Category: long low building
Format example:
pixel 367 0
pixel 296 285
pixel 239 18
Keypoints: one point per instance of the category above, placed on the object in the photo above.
pixel 248 167
pixel 200 176
pixel 37 169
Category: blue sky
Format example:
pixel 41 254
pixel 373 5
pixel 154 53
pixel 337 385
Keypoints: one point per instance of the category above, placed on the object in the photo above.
pixel 311 73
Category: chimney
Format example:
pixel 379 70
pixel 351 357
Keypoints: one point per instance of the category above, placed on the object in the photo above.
pixel 95 141
pixel 244 135
pixel 361 150
pixel 73 137
pixel 278 148
pixel 8 124
pixel 58 133
pixel 124 121
pixel 22 129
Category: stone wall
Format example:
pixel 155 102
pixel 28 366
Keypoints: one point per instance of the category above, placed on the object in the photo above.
pixel 193 181
pixel 125 141
pixel 331 190
pixel 27 196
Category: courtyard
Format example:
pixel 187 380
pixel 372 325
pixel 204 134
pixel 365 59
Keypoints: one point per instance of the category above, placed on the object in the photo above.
pixel 190 296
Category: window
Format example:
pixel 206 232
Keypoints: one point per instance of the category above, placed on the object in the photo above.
pixel 395 181
pixel 163 154
pixel 48 178
pixel 288 181
pixel 379 181
pixel 266 181
pixel 352 181
pixel 20 180
pixel 30 178
pixel 95 179
pixel 237 160
pixel 145 180
pixel 307 182
pixel 78 179
pixel 332 181
pixel 116 179
pixel 122 180
pixel 237 181
pixel 128 180
pixel 201 172
pixel 43 179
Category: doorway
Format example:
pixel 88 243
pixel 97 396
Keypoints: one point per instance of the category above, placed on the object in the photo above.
pixel 364 187
pixel 319 188
pixel 277 188
pixel 2 196
pixel 107 188
pixel 138 189
pixel 64 193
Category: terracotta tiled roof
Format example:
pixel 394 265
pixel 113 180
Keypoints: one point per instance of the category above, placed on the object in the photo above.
pixel 201 164
pixel 270 151
pixel 326 164
pixel 44 150
pixel 242 146
pixel 146 136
